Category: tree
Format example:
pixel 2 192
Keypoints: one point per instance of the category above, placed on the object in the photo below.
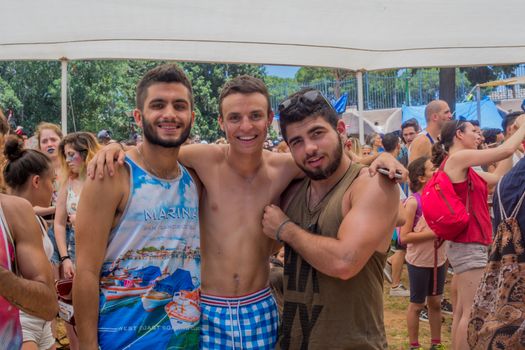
pixel 8 98
pixel 310 75
pixel 447 87
pixel 34 84
pixel 279 89
pixel 207 80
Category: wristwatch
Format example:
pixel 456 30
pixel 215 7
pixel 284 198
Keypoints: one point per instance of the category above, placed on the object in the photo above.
pixel 63 258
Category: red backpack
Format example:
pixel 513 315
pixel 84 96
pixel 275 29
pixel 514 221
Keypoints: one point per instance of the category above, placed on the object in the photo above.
pixel 443 209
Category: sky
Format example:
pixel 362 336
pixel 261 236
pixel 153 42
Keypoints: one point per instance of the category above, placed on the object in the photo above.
pixel 281 71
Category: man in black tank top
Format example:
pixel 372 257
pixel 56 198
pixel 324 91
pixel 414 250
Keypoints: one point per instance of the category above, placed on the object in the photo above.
pixel 336 231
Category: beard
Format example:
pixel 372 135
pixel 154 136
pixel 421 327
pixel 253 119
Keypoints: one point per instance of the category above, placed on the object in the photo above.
pixel 154 139
pixel 323 174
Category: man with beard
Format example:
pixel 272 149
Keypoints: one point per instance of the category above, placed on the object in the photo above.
pixel 336 231
pixel 437 112
pixel 239 179
pixel 138 244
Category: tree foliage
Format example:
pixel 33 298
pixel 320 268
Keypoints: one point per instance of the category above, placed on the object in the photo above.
pixel 207 80
pixel 101 94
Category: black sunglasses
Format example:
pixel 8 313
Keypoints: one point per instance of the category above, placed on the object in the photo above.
pixel 309 97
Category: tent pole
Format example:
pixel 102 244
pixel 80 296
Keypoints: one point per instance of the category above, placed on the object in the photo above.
pixel 360 106
pixel 478 102
pixel 63 62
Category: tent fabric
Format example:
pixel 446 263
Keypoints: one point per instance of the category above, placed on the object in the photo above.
pixel 340 104
pixel 490 117
pixel 504 82
pixel 356 35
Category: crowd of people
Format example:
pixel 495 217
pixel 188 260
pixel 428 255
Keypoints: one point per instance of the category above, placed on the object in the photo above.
pixel 247 242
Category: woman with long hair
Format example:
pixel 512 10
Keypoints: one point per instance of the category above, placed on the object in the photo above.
pixel 467 252
pixel 375 141
pixel 420 258
pixel 48 136
pixel 75 151
pixel 29 174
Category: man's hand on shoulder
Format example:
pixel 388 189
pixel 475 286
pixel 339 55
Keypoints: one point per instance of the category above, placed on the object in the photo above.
pixel 388 161
pixel 106 158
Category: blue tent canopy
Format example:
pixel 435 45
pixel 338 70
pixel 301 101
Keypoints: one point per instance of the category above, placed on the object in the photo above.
pixel 490 117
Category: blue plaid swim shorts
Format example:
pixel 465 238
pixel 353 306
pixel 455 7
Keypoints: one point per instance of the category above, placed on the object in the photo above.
pixel 247 322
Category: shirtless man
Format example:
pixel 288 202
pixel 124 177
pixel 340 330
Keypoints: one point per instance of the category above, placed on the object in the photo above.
pixel 239 180
pixel 436 113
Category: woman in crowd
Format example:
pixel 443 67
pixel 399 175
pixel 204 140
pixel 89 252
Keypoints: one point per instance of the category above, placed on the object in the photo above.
pixel 29 174
pixel 375 141
pixel 75 150
pixel 48 136
pixel 467 252
pixel 420 241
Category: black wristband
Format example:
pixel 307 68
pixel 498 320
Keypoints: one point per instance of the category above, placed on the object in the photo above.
pixel 65 257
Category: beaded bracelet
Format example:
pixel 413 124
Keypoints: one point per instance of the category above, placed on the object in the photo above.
pixel 278 232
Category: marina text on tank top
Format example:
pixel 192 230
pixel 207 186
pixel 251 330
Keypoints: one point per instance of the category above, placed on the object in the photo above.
pixel 322 312
pixel 150 278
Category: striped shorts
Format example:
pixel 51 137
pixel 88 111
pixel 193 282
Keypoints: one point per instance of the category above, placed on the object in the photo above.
pixel 247 322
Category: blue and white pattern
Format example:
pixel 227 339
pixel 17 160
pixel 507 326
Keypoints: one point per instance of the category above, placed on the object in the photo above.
pixel 249 322
pixel 150 279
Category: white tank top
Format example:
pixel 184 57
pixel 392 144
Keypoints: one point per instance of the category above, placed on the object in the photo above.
pixel 48 245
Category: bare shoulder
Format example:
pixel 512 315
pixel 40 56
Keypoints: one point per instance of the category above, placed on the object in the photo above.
pixel 207 151
pixel 283 163
pixel 15 206
pixel 17 211
pixel 371 186
pixel 421 141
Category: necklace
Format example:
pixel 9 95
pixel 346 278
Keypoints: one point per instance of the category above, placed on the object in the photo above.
pixel 309 191
pixel 153 171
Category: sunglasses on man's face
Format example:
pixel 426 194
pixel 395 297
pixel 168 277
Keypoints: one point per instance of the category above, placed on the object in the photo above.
pixel 309 97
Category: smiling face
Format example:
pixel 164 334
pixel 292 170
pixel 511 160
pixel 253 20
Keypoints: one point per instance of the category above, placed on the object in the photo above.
pixel 245 121
pixel 167 116
pixel 315 146
pixel 49 141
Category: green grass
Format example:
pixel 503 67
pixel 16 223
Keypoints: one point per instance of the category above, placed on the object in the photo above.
pixel 395 319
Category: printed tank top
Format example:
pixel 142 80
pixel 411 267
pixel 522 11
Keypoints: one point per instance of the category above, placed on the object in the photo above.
pixel 10 329
pixel 150 278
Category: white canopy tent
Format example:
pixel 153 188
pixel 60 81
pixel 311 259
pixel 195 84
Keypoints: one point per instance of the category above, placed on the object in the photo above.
pixel 357 35
pixel 496 83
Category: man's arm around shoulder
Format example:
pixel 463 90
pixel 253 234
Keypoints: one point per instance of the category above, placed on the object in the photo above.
pixel 96 212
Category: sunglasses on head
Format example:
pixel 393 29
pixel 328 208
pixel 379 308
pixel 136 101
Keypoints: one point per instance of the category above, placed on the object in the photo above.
pixel 309 97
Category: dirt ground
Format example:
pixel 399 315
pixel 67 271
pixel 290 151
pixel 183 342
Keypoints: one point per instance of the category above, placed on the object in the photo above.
pixel 396 324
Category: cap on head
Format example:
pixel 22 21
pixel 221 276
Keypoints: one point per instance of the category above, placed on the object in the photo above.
pixel 104 135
